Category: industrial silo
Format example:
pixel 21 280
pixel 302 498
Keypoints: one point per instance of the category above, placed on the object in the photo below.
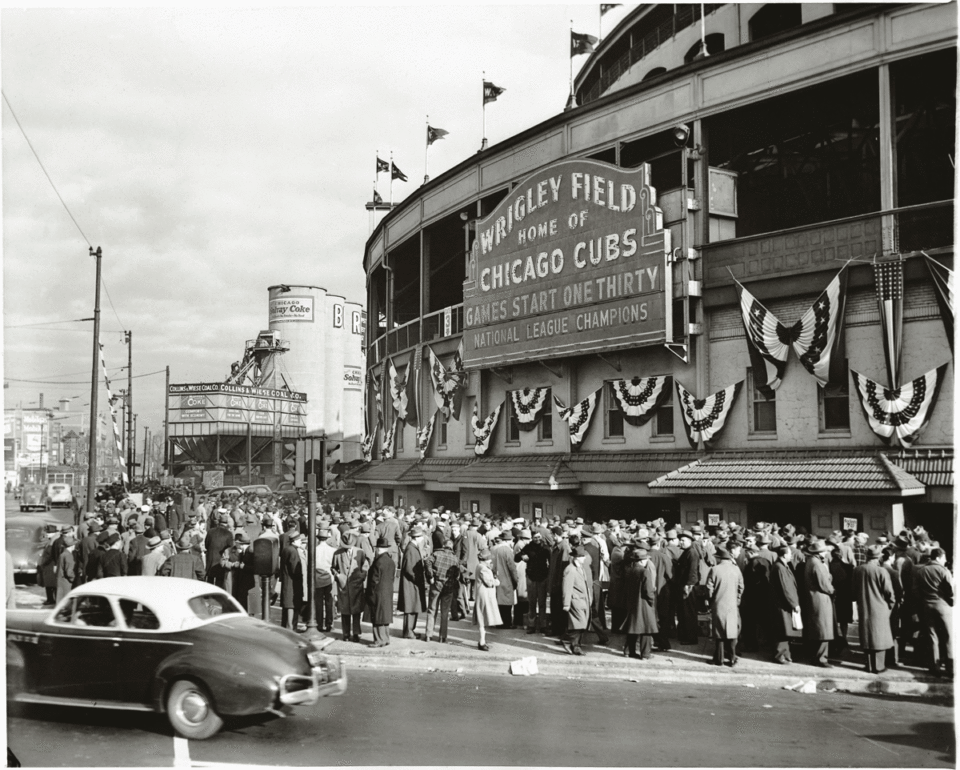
pixel 335 344
pixel 299 314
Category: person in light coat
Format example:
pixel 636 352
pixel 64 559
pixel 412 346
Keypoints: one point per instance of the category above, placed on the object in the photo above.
pixel 817 604
pixel 505 570
pixel 485 610
pixel 350 570
pixel 873 590
pixel 577 599
pixel 725 591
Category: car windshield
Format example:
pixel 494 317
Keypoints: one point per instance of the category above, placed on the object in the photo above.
pixel 212 606
pixel 22 533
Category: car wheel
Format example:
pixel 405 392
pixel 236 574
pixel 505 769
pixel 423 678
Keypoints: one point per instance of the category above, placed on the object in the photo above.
pixel 190 710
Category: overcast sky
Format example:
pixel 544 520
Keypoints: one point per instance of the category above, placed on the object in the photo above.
pixel 211 154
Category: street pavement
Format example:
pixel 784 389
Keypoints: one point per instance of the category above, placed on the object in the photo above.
pixel 467 719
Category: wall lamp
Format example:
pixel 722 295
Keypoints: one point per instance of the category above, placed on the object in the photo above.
pixel 681 135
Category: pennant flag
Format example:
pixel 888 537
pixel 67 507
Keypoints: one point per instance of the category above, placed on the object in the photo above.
pixel 438 376
pixel 578 416
pixel 366 444
pixel 398 391
pixel 943 286
pixel 640 397
pixel 377 200
pixel 604 7
pixel 527 405
pixel 817 338
pixel 491 92
pixel 382 166
pixel 112 401
pixel 767 341
pixel 703 418
pixel 424 434
pixel 581 43
pixel 375 382
pixel 389 445
pixel 889 280
pixel 396 173
pixel 818 335
pixel 413 385
pixel 903 411
pixel 459 377
pixel 482 432
pixel 435 133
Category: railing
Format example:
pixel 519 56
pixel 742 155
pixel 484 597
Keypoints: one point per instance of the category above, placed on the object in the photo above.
pixel 430 327
pixel 809 248
pixel 686 16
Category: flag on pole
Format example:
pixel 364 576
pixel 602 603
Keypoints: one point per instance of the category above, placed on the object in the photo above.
pixel 396 173
pixel 377 199
pixel 435 133
pixel 460 381
pixel 889 280
pixel 818 335
pixel 581 43
pixel 413 385
pixel 604 7
pixel 943 284
pixel 382 166
pixel 491 92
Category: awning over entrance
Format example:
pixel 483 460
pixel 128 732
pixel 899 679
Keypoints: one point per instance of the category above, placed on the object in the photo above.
pixel 932 467
pixel 529 472
pixel 795 473
pixel 625 467
pixel 390 473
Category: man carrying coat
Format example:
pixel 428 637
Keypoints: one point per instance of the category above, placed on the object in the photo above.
pixel 817 603
pixel 640 593
pixel 725 590
pixel 379 593
pixel 873 591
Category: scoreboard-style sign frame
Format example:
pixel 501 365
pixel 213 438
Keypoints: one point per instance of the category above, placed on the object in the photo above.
pixel 219 402
pixel 574 260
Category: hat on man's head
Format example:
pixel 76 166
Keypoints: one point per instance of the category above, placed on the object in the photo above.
pixel 145 508
pixel 185 544
pixel 103 537
pixel 525 534
pixel 577 550
pixel 874 551
pixel 696 529
pixel 687 533
pixel 112 538
pixel 817 546
pixel 484 555
pixel 382 542
pixel 242 537
pixel 154 542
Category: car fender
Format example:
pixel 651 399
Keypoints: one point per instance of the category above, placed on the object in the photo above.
pixel 236 688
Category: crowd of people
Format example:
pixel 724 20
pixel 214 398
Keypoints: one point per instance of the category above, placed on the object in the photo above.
pixel 766 589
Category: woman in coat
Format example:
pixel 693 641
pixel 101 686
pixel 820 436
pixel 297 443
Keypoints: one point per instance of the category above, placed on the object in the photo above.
pixel 485 609
pixel 725 591
pixel 379 594
pixel 577 598
pixel 873 590
pixel 786 600
pixel 640 592
pixel 349 570
pixel 816 598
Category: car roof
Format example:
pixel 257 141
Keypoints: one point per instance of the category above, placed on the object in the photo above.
pixel 166 596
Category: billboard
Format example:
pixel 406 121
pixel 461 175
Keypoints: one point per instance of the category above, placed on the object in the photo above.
pixel 218 402
pixel 285 309
pixel 574 260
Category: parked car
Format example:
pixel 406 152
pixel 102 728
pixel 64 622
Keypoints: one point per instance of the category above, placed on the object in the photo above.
pixel 262 490
pixel 34 498
pixel 59 495
pixel 225 490
pixel 159 643
pixel 24 543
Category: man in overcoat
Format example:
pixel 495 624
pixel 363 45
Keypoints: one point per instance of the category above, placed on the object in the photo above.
pixel 662 562
pixel 379 593
pixel 291 581
pixel 933 593
pixel 443 574
pixel 412 597
pixel 505 569
pixel 817 606
pixel 218 541
pixel 873 591
pixel 725 591
pixel 577 600
pixel 687 578
pixel 640 593
pixel 349 570
pixel 67 566
pixel 473 543
pixel 786 601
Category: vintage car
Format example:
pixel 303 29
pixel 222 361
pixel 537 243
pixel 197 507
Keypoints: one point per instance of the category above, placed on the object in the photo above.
pixel 24 543
pixel 261 490
pixel 59 495
pixel 33 498
pixel 163 644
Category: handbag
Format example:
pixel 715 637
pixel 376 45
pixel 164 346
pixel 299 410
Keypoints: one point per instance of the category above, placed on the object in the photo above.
pixel 797 620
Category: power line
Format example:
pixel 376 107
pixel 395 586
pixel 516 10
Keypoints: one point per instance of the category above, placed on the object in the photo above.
pixel 82 382
pixel 85 331
pixel 27 138
pixel 47 323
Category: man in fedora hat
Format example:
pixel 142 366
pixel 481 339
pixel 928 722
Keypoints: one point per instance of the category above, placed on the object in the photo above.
pixel 786 603
pixel 873 591
pixel 412 599
pixel 640 593
pixel 67 564
pixel 379 591
pixel 154 558
pixel 186 562
pixel 576 600
pixel 687 578
pixel 725 589
pixel 818 603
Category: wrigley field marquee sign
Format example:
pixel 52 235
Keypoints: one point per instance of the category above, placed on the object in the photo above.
pixel 574 260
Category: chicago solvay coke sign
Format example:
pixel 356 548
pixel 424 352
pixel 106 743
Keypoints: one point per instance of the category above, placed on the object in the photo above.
pixel 574 260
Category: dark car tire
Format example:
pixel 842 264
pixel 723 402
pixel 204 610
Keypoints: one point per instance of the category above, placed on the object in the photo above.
pixel 190 710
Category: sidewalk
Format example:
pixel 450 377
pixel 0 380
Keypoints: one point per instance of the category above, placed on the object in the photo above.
pixel 685 663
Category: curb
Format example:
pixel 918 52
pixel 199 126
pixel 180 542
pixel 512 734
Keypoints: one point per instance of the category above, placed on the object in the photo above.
pixel 499 665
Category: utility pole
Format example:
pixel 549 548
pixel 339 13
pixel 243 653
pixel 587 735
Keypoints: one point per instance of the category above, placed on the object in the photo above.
pixel 146 457
pixel 131 435
pixel 166 425
pixel 92 454
pixel 133 449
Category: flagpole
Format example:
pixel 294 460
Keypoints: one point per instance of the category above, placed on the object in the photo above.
pixel 376 174
pixel 391 179
pixel 483 99
pixel 572 99
pixel 426 176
